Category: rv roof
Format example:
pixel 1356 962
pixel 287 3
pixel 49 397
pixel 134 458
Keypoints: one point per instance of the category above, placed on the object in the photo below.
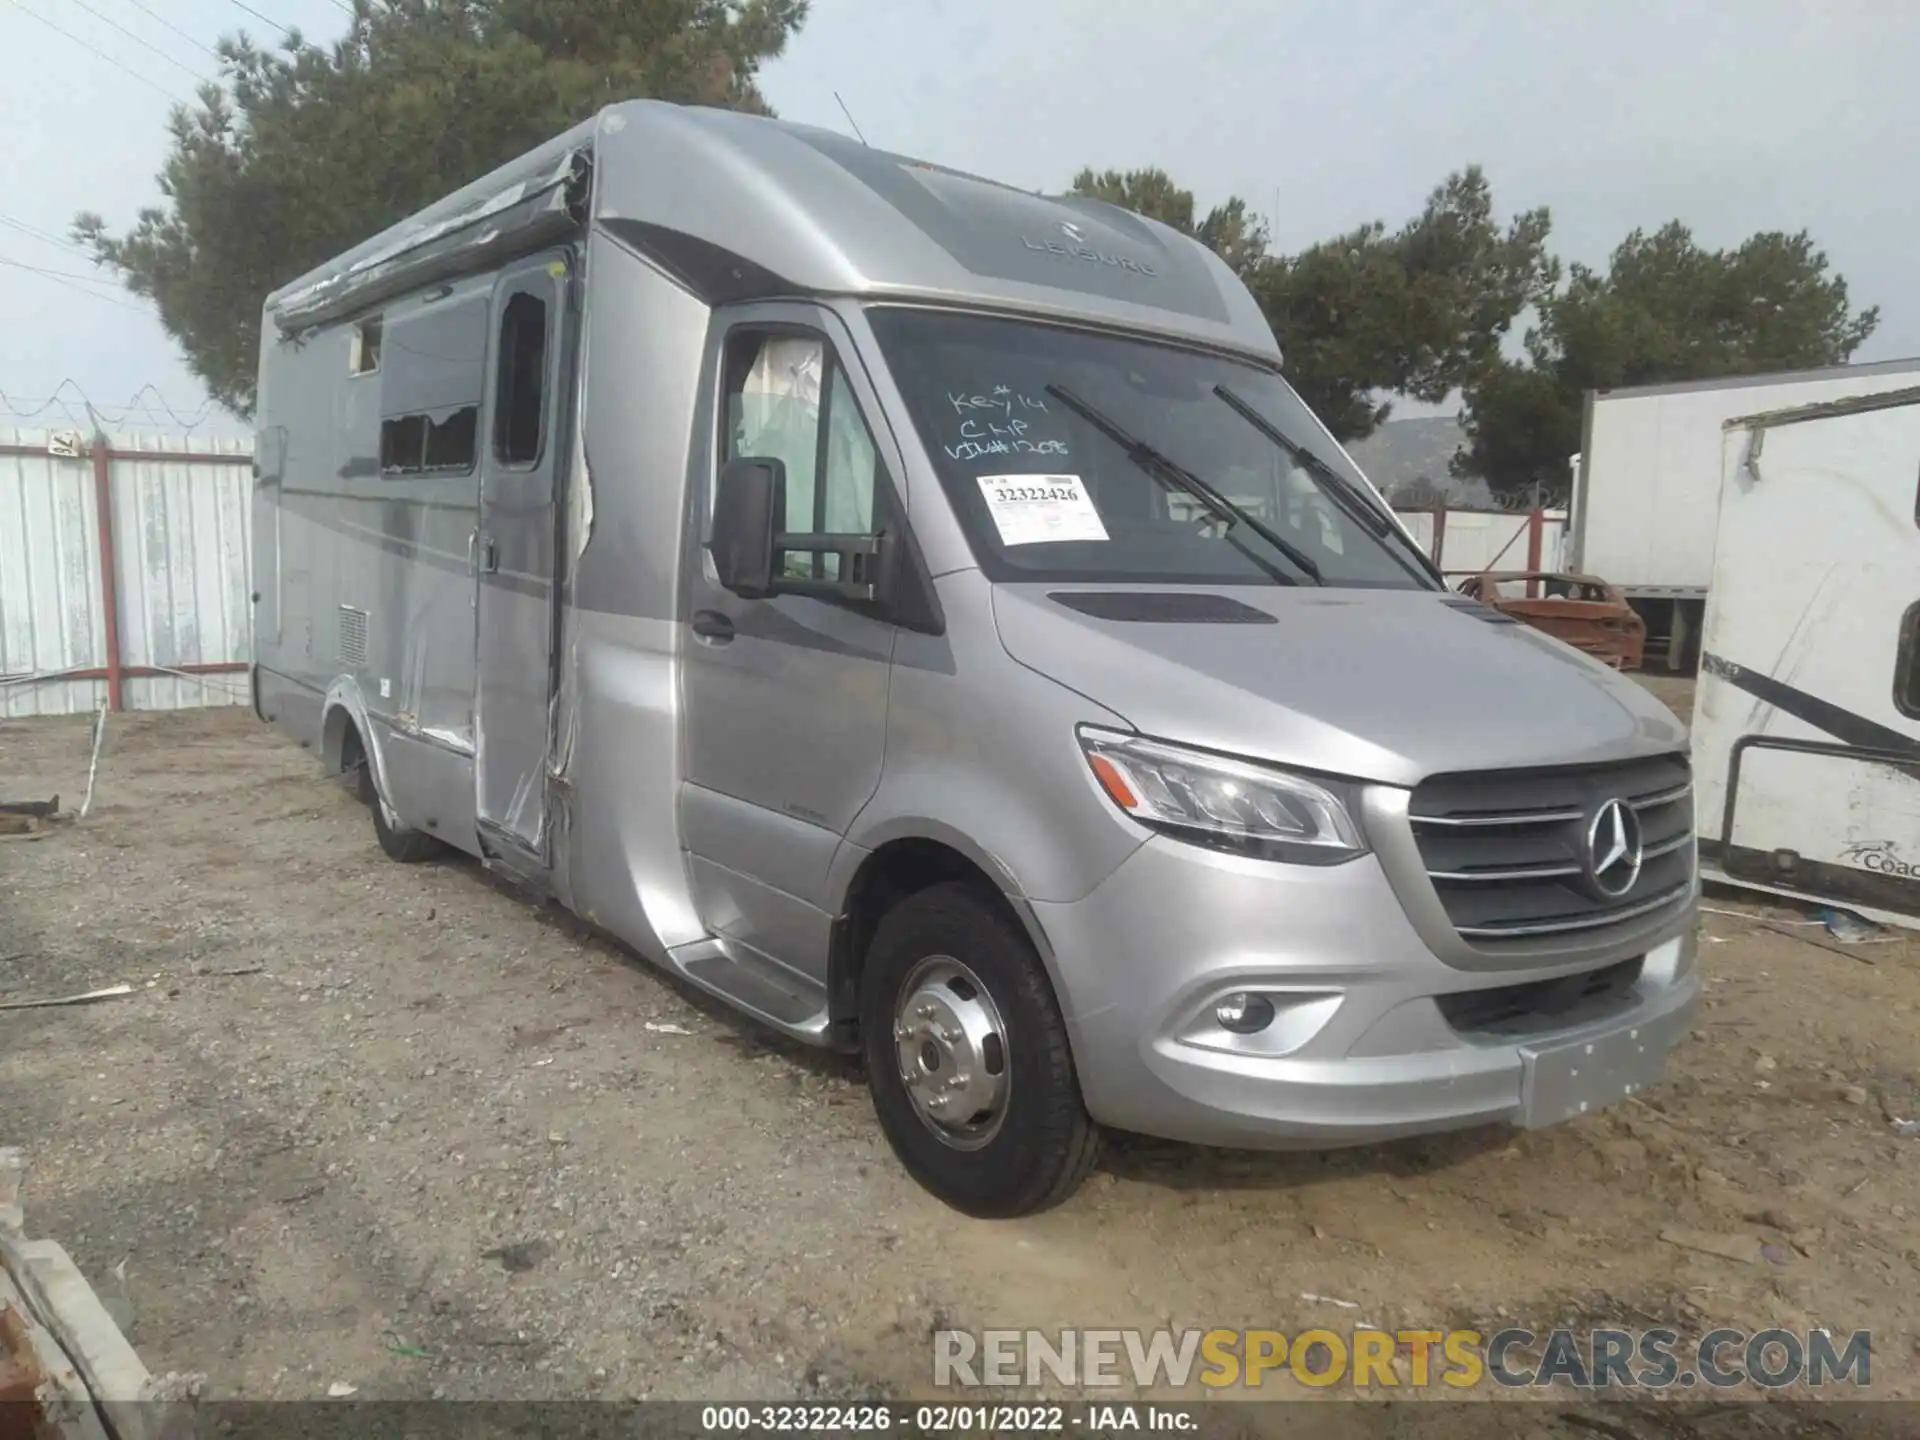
pixel 1826 409
pixel 793 209
pixel 1743 382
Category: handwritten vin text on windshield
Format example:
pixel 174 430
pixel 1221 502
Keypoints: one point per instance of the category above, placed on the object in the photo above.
pixel 1000 422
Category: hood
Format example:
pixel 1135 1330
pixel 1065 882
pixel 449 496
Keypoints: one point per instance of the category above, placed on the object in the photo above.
pixel 1383 685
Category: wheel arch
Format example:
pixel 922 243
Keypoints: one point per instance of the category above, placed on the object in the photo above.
pixel 345 710
pixel 901 860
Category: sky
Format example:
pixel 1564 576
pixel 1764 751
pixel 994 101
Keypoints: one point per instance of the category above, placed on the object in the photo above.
pixel 1730 115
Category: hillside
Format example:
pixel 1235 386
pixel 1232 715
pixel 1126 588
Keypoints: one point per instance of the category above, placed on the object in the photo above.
pixel 1402 453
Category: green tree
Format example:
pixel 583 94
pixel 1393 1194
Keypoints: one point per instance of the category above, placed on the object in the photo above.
pixel 306 151
pixel 1665 310
pixel 1412 311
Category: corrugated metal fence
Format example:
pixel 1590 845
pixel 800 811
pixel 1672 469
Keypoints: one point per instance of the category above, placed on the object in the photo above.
pixel 1466 542
pixel 153 613
pixel 149 612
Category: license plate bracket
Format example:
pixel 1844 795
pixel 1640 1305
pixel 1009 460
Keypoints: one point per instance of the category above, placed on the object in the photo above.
pixel 1567 1078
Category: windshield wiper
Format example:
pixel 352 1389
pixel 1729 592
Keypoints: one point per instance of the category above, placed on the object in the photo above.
pixel 1340 490
pixel 1171 472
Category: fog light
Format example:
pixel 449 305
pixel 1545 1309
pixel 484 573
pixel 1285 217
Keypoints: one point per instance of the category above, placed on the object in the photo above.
pixel 1244 1014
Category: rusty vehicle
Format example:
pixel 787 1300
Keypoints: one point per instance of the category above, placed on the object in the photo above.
pixel 1583 610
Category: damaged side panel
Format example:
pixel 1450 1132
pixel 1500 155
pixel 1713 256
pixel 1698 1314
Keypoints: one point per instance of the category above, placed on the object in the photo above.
pixel 516 549
pixel 620 738
pixel 576 531
pixel 530 202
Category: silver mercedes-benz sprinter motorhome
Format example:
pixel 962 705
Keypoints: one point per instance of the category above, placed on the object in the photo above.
pixel 919 613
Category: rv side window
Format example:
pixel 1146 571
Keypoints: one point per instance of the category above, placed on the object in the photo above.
pixel 429 445
pixel 519 402
pixel 363 355
pixel 788 399
pixel 1906 665
pixel 450 440
pixel 403 445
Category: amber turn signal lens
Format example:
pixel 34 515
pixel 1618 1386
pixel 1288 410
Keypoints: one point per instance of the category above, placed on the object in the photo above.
pixel 1113 782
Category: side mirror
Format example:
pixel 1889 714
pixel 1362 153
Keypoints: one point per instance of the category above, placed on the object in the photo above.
pixel 750 542
pixel 749 509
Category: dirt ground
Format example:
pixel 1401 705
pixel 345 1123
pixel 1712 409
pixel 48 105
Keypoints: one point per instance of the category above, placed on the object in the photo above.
pixel 390 1127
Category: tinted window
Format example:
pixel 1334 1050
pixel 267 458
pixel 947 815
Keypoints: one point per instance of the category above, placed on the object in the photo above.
pixel 432 377
pixel 403 444
pixel 450 441
pixel 519 409
pixel 429 445
pixel 1045 494
pixel 788 400
pixel 434 358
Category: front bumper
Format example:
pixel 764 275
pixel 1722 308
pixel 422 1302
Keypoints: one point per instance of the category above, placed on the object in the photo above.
pixel 1361 1049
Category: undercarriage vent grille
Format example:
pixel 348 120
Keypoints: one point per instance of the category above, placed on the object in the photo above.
pixel 1520 853
pixel 353 638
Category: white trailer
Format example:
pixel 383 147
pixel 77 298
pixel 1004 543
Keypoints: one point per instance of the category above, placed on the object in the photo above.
pixel 1806 722
pixel 1646 485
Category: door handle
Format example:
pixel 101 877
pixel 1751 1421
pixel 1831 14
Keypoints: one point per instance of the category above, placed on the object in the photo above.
pixel 483 556
pixel 712 625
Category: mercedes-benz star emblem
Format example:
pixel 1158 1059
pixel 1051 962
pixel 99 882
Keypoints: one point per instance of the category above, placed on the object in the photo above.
pixel 1614 849
pixel 1073 232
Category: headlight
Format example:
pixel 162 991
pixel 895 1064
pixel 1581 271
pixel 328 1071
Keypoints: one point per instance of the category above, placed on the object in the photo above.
pixel 1228 804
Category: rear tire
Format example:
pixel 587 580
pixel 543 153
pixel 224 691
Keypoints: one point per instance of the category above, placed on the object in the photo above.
pixel 952 989
pixel 399 842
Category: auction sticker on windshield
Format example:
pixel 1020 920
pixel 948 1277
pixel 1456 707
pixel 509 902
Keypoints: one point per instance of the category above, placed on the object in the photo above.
pixel 1034 509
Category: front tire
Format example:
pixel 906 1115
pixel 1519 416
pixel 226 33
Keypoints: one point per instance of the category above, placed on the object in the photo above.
pixel 968 1060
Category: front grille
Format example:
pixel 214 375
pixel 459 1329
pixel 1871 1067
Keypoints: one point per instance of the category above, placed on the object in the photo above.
pixel 1507 850
pixel 1541 1005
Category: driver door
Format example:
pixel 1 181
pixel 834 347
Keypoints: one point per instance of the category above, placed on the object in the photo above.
pixel 786 697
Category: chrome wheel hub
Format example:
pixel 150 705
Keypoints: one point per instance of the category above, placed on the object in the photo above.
pixel 952 1049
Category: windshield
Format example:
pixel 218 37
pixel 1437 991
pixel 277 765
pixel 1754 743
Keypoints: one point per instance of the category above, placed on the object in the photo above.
pixel 1029 427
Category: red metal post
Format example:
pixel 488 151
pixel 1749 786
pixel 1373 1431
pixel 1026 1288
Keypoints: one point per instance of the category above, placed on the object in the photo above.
pixel 1536 523
pixel 109 573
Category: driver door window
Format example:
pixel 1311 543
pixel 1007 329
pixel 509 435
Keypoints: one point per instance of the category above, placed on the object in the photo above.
pixel 788 399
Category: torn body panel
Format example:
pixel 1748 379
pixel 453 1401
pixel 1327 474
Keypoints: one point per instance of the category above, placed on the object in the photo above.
pixel 517 552
pixel 576 532
pixel 519 207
